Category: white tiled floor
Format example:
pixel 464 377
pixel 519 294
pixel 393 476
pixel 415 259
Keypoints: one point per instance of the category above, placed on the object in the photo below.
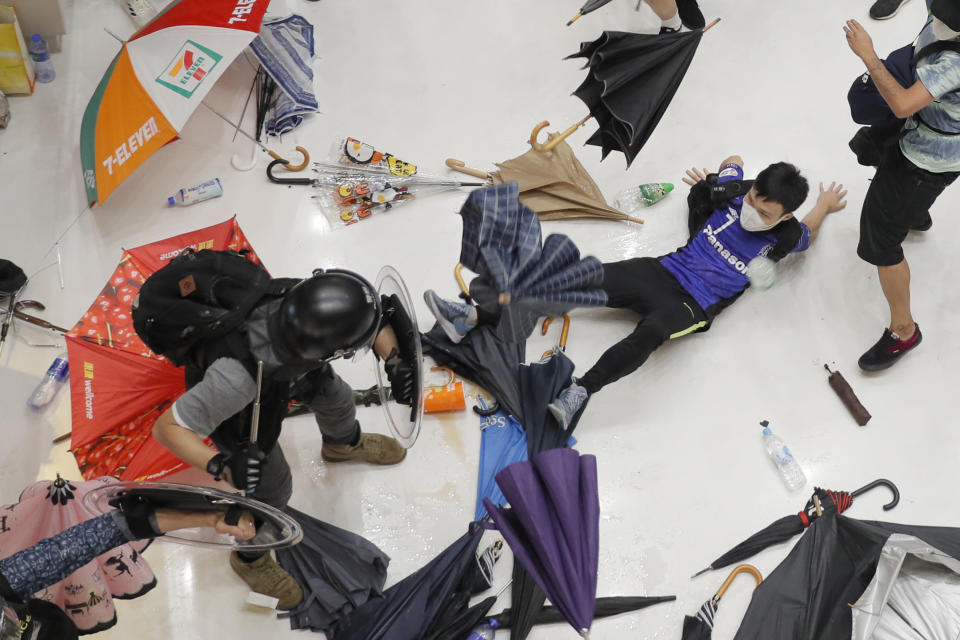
pixel 682 471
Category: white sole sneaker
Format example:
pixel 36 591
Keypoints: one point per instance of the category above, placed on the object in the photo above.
pixel 895 11
pixel 448 327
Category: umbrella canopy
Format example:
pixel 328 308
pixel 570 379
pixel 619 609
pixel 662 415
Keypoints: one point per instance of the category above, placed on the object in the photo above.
pixel 553 528
pixel 540 383
pixel 700 626
pixel 604 608
pixel 408 609
pixel 556 185
pixel 285 49
pixel 337 570
pixel 486 359
pixel 119 387
pixel 45 509
pixel 502 442
pixel 156 81
pixel 457 618
pixel 522 275
pixel 631 80
pixel 822 501
pixel 856 580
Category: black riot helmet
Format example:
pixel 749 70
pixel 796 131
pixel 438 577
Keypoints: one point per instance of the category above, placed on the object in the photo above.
pixel 330 315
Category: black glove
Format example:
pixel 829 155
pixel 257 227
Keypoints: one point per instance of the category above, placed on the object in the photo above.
pixel 140 515
pixel 244 465
pixel 402 378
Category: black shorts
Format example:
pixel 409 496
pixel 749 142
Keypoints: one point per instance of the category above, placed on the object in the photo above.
pixel 898 199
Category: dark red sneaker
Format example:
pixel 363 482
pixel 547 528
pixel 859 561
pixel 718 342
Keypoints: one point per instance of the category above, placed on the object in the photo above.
pixel 888 349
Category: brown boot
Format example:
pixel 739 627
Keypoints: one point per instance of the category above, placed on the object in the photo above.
pixel 373 448
pixel 265 576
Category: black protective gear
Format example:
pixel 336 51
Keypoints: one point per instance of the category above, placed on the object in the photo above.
pixel 244 465
pixel 330 315
pixel 140 515
pixel 402 377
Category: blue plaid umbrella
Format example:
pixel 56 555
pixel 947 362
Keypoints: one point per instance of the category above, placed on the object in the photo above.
pixel 522 277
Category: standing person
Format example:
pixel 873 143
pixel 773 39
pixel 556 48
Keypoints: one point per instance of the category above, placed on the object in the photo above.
pixel 913 172
pixel 295 330
pixel 674 14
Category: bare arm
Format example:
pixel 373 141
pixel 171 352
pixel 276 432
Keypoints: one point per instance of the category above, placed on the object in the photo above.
pixel 903 102
pixel 385 342
pixel 181 441
pixel 831 199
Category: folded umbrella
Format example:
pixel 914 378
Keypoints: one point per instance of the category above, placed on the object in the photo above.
pixel 285 49
pixel 457 618
pixel 823 500
pixel 588 7
pixel 604 608
pixel 552 526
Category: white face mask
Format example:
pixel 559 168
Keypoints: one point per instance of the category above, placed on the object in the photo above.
pixel 942 32
pixel 751 221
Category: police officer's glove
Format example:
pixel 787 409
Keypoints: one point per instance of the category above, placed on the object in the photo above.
pixel 243 465
pixel 402 378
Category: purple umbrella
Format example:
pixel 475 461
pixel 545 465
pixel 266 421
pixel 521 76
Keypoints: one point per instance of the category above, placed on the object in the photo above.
pixel 553 527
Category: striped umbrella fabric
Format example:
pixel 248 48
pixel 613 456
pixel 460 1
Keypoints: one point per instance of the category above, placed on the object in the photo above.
pixel 156 81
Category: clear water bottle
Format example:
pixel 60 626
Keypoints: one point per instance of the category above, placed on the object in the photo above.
pixel 55 378
pixel 42 64
pixel 788 466
pixel 633 199
pixel 485 631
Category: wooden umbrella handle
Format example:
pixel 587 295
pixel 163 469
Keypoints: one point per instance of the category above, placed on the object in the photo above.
pixel 458 165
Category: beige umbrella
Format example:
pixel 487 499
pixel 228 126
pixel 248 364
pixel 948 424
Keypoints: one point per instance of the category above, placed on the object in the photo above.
pixel 553 183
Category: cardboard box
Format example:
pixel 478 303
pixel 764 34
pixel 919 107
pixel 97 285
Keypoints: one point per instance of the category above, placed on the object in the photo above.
pixel 16 65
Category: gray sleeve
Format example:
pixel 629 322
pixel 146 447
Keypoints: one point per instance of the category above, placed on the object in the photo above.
pixel 226 388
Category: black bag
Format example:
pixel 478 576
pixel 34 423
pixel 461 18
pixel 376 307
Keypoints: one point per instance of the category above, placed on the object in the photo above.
pixel 197 297
pixel 868 107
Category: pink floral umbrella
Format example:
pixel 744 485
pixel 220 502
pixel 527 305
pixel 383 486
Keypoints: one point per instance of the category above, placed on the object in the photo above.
pixel 45 509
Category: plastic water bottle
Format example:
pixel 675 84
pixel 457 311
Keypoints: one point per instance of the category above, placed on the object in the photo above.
pixel 788 466
pixel 42 64
pixel 485 631
pixel 635 198
pixel 192 195
pixel 55 378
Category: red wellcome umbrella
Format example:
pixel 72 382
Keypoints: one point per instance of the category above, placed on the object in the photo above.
pixel 118 387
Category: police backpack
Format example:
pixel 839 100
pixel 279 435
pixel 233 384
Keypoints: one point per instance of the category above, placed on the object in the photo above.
pixel 198 296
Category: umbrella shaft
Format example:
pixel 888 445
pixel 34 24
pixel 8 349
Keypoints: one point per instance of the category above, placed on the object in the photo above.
pixel 235 126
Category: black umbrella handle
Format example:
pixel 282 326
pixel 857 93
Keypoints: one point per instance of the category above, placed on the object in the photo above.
pixel 273 178
pixel 877 483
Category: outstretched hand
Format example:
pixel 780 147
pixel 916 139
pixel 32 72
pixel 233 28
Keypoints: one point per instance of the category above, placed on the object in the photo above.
pixel 859 40
pixel 832 198
pixel 695 175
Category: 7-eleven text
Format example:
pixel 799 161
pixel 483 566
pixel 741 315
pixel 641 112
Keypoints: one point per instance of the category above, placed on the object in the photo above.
pixel 131 145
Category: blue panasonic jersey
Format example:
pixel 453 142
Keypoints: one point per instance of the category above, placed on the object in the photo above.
pixel 712 267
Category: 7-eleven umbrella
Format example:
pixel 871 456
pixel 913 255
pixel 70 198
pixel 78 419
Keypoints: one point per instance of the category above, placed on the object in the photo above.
pixel 118 387
pixel 156 81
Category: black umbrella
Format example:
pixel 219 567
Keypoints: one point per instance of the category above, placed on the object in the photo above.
pixel 605 607
pixel 457 618
pixel 483 357
pixel 822 501
pixel 848 578
pixel 632 79
pixel 700 626
pixel 337 570
pixel 588 7
pixel 12 279
pixel 540 383
pixel 408 609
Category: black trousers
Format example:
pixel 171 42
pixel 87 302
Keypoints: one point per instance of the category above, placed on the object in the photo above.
pixel 667 311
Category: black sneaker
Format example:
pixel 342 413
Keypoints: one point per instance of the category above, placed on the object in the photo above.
pixel 885 9
pixel 664 30
pixel 865 147
pixel 888 349
pixel 690 14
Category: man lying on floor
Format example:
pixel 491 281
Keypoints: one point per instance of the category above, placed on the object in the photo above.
pixel 731 222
